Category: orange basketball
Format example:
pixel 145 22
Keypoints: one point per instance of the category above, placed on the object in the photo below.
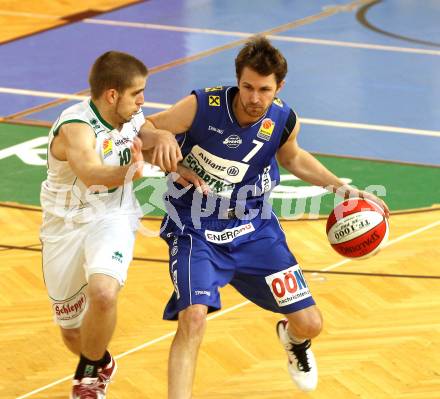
pixel 357 228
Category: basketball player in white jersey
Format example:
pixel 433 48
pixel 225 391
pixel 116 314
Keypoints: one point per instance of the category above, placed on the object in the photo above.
pixel 90 213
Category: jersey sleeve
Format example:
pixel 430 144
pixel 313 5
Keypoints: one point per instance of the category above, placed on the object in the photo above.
pixel 288 127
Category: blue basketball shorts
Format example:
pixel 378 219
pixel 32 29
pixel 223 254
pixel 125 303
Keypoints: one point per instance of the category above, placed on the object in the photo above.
pixel 251 255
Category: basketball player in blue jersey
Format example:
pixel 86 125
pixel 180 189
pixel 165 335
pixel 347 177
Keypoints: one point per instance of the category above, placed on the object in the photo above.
pixel 222 229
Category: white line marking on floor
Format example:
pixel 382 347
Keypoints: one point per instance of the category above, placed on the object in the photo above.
pixel 307 121
pixel 293 39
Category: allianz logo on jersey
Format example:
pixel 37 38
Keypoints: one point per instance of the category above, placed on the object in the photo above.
pixel 233 141
pixel 228 235
pixel 221 168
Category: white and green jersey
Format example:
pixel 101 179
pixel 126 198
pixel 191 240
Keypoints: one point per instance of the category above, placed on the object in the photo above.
pixel 64 195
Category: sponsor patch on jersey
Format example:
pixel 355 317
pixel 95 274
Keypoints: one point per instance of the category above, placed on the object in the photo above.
pixel 208 165
pixel 266 182
pixel 232 141
pixel 70 309
pixel 266 129
pixel 278 102
pixel 214 101
pixel 215 88
pixel 288 286
pixel 228 235
pixel 107 147
pixel 122 141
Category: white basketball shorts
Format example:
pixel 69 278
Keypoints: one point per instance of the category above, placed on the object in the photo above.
pixel 72 252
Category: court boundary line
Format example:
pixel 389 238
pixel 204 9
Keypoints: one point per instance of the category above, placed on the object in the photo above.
pixel 361 16
pixel 225 311
pixel 307 121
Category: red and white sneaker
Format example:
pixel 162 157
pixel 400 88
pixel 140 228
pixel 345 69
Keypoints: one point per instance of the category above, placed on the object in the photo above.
pixel 106 374
pixel 301 361
pixel 87 388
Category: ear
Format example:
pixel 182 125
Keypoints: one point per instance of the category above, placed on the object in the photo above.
pixel 111 95
pixel 280 86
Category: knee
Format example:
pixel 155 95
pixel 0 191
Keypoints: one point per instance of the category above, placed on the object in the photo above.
pixel 192 322
pixel 103 298
pixel 308 325
pixel 313 326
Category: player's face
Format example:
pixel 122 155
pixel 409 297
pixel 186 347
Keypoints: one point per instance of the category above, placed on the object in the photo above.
pixel 256 92
pixel 130 101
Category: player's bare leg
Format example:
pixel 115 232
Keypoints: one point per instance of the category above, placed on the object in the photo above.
pixel 184 350
pixel 100 319
pixel 305 324
pixel 96 366
pixel 72 339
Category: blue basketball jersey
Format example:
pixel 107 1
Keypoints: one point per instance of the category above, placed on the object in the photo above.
pixel 250 252
pixel 238 163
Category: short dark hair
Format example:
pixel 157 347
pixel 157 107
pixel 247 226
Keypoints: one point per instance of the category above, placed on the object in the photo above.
pixel 259 55
pixel 114 70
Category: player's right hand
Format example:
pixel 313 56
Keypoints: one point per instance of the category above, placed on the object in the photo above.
pixel 166 152
pixel 137 159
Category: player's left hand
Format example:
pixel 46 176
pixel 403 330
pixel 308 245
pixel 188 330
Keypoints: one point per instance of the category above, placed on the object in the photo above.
pixel 187 177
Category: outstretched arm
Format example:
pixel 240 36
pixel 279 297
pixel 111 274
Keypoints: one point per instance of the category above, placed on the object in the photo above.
pixel 305 166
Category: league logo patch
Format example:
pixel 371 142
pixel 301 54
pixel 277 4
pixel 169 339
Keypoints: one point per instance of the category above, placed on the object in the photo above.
pixel 288 286
pixel 107 148
pixel 266 129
